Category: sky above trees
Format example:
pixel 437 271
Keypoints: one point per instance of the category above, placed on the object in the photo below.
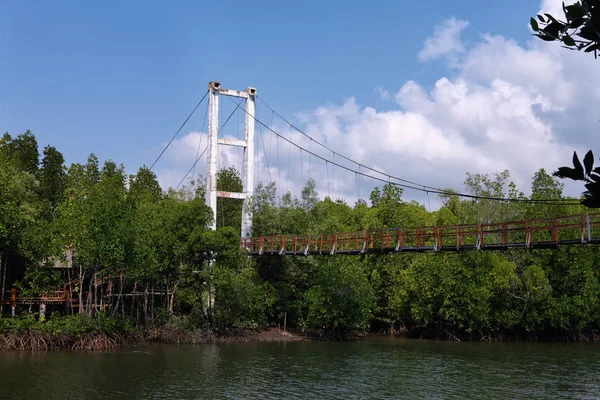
pixel 422 91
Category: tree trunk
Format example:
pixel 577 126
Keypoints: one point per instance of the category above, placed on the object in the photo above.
pixel 209 304
pixel 167 294
pixel 3 275
pixel 146 304
pixel 95 300
pixel 70 286
pixel 108 297
pixel 89 296
pixel 133 303
pixel 118 297
pixel 172 301
pixel 152 307
pixel 81 276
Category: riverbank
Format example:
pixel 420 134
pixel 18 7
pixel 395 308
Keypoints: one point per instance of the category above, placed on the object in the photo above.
pixel 75 332
pixel 36 341
pixel 78 332
pixel 174 333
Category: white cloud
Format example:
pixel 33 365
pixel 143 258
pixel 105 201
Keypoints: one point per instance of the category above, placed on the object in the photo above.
pixel 506 106
pixel 445 40
pixel 554 7
pixel 383 94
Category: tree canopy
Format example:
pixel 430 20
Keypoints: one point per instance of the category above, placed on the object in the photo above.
pixel 100 225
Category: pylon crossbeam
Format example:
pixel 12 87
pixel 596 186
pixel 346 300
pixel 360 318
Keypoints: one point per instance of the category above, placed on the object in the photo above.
pixel 249 94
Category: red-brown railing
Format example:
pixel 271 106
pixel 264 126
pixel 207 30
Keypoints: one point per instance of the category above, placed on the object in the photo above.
pixel 532 233
pixel 15 297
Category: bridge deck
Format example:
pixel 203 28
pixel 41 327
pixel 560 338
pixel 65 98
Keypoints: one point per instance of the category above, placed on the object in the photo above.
pixel 529 234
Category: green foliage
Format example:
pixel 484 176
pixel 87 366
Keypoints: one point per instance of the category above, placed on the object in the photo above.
pixel 229 210
pixel 94 219
pixel 486 210
pixel 578 30
pixel 340 300
pixel 162 316
pixel 590 175
pixel 114 224
pixel 66 325
pixel 52 177
pixel 21 152
pixel 241 300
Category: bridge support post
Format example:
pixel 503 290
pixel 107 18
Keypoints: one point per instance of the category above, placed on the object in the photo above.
pixel 589 230
pixel 213 149
pixel 215 90
pixel 248 172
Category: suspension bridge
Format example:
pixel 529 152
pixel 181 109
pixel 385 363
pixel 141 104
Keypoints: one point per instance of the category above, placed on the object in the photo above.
pixel 529 234
pixel 580 229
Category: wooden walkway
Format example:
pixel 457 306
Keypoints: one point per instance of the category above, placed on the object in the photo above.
pixel 528 234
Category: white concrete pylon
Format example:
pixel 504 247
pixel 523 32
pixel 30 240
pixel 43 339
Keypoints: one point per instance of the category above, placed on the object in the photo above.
pixel 248 168
pixel 215 90
pixel 213 149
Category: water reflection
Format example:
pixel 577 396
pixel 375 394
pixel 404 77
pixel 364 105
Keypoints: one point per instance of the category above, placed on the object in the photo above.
pixel 374 368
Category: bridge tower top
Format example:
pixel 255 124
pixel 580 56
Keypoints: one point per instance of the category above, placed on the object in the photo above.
pixel 249 94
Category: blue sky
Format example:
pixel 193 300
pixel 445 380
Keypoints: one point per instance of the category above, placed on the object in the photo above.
pixel 117 78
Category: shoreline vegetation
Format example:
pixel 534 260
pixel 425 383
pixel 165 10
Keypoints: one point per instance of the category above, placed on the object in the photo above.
pixel 78 332
pixel 102 256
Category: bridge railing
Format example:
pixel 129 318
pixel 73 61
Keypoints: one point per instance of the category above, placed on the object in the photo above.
pixel 18 297
pixel 541 232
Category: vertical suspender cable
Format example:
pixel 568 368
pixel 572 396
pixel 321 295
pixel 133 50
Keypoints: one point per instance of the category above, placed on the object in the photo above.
pixel 357 185
pixel 256 162
pixel 328 187
pixel 302 168
pixel 289 174
pixel 309 154
pixel 333 177
pixel 239 149
pixel 265 153
pixel 278 165
pixel 428 202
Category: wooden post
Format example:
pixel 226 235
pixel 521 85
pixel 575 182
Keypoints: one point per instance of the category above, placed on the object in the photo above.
pixel 5 267
pixel 1 270
pixel 42 312
pixel 13 300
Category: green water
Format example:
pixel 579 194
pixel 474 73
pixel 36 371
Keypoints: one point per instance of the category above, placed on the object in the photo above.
pixel 371 369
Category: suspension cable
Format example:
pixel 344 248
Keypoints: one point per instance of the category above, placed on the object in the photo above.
pixel 416 186
pixel 200 141
pixel 178 130
pixel 420 187
pixel 219 131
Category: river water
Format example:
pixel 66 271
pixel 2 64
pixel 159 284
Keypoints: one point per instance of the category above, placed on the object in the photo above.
pixel 374 368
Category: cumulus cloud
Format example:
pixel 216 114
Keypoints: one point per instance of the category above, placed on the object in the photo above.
pixel 505 106
pixel 445 40
pixel 508 106
pixel 383 94
pixel 554 7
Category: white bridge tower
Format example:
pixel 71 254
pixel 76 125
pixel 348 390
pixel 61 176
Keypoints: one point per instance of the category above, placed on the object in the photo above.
pixel 215 90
